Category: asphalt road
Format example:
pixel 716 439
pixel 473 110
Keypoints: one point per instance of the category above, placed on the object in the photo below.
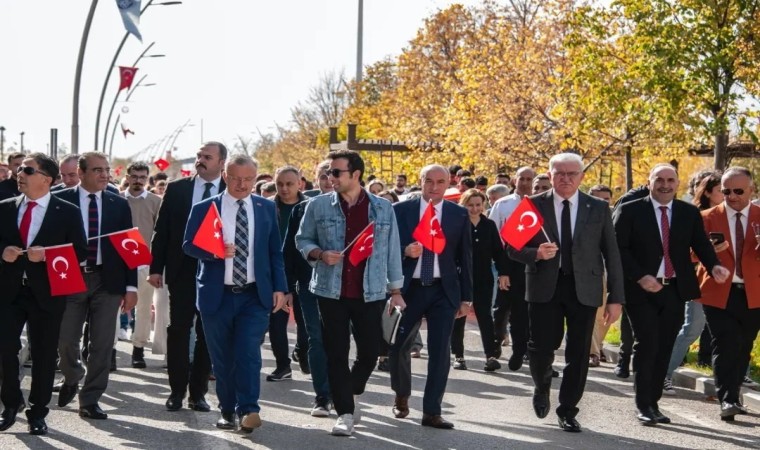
pixel 489 410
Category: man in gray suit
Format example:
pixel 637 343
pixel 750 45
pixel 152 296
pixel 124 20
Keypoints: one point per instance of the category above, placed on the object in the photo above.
pixel 564 284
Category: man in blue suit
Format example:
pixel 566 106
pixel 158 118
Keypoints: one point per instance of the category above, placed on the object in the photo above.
pixel 437 287
pixel 237 293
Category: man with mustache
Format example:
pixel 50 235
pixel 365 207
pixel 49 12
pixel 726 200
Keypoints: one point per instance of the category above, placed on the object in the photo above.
pixel 181 269
pixel 144 206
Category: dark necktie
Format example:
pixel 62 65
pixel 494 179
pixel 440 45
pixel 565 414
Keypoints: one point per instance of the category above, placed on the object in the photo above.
pixel 739 245
pixel 566 244
pixel 240 261
pixel 207 190
pixel 26 222
pixel 665 229
pixel 93 228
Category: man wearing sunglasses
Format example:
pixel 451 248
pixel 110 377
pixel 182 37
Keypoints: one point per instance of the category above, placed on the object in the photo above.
pixel 732 309
pixel 659 277
pixel 28 223
pixel 9 187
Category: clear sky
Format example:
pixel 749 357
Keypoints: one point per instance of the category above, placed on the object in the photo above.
pixel 239 65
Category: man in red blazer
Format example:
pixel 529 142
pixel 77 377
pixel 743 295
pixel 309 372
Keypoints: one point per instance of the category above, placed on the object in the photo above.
pixel 733 310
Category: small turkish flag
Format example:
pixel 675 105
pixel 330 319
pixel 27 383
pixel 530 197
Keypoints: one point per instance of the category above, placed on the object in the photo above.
pixel 63 271
pixel 117 171
pixel 185 173
pixel 126 131
pixel 130 245
pixel 161 163
pixel 363 245
pixel 452 194
pixel 127 75
pixel 429 232
pixel 209 234
pixel 524 223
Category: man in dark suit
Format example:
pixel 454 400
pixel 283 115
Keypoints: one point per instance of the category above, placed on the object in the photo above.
pixel 110 284
pixel 659 278
pixel 169 260
pixel 566 288
pixel 9 187
pixel 32 221
pixel 237 293
pixel 437 287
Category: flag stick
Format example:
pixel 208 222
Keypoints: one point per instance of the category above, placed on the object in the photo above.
pixel 110 234
pixel 545 235
pixel 357 237
pixel 48 248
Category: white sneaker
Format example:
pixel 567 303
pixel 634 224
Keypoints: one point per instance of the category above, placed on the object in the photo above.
pixel 123 335
pixel 749 382
pixel 344 426
pixel 357 411
pixel 667 387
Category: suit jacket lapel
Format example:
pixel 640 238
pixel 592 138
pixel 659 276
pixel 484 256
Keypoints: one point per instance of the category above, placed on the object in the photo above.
pixel 545 205
pixel 259 235
pixel 653 222
pixel 17 235
pixel 722 226
pixel 47 220
pixel 414 218
pixel 581 217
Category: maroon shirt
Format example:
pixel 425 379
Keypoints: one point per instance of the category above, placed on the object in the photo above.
pixel 357 219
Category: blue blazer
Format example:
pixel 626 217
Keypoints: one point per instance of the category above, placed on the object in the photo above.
pixel 455 262
pixel 268 268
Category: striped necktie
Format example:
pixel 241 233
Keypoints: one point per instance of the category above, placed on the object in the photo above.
pixel 93 228
pixel 240 261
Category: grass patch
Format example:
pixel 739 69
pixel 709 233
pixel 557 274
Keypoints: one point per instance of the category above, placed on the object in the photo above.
pixel 613 335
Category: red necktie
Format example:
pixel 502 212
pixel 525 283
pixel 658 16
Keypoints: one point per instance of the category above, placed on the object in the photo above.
pixel 665 228
pixel 739 245
pixel 26 221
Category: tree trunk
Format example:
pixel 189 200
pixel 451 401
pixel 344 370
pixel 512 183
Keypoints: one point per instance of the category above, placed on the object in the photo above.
pixel 721 151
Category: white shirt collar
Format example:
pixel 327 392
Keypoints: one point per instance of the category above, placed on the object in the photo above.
pixel 83 193
pixel 657 204
pixel 128 194
pixel 558 199
pixel 41 202
pixel 227 198
pixel 424 204
pixel 745 211
pixel 200 181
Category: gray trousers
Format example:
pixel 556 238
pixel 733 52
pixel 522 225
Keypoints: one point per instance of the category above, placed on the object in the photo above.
pixel 102 308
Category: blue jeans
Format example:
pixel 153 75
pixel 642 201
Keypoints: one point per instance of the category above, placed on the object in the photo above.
pixel 317 356
pixel 694 323
pixel 233 334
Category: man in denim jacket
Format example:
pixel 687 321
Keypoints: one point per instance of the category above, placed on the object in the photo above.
pixel 350 297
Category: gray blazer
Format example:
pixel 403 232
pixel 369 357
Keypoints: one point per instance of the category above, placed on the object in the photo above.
pixel 594 249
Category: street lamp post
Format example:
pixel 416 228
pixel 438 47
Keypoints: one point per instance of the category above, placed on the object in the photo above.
pixel 78 80
pixel 22 141
pixel 116 123
pixel 359 39
pixel 2 144
pixel 113 63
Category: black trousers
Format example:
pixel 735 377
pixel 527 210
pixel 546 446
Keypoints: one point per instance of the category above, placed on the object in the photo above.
pixel 626 338
pixel 302 336
pixel 733 333
pixel 482 305
pixel 547 328
pixel 182 314
pixel 43 327
pixel 340 318
pixel 278 337
pixel 656 323
pixel 511 304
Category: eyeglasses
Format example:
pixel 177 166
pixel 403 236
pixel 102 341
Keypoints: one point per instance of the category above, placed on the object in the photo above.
pixel 737 191
pixel 566 174
pixel 335 173
pixel 28 170
pixel 138 177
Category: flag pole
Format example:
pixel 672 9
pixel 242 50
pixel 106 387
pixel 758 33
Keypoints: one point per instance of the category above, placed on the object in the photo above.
pixel 356 238
pixel 50 248
pixel 110 234
pixel 545 235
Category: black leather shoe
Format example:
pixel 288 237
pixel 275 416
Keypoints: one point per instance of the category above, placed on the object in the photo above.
pixel 92 412
pixel 660 417
pixel 647 417
pixel 728 411
pixel 8 418
pixel 569 424
pixel 515 362
pixel 198 405
pixel 138 358
pixel 57 386
pixel 436 421
pixel 37 427
pixel 174 403
pixel 621 369
pixel 67 394
pixel 555 374
pixel 541 402
pixel 226 421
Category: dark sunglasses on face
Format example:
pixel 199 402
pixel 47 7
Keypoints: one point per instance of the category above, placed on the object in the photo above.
pixel 28 170
pixel 737 191
pixel 335 173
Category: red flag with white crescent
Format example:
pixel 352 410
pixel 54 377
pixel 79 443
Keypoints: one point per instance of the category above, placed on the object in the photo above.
pixel 524 223
pixel 63 270
pixel 127 76
pixel 161 163
pixel 363 245
pixel 130 245
pixel 209 234
pixel 429 232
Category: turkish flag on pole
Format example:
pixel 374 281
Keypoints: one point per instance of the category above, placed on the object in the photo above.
pixel 185 173
pixel 209 234
pixel 161 163
pixel 524 223
pixel 429 232
pixel 63 270
pixel 126 131
pixel 130 245
pixel 363 245
pixel 127 75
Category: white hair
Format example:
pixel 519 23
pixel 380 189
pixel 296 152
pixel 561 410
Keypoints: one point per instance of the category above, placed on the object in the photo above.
pixel 497 189
pixel 565 158
pixel 433 167
pixel 240 159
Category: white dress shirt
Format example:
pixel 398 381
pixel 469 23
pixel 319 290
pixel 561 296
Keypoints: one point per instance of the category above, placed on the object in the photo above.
pixel 84 209
pixel 503 208
pixel 731 213
pixel 436 270
pixel 38 213
pixel 200 186
pixel 229 221
pixel 658 214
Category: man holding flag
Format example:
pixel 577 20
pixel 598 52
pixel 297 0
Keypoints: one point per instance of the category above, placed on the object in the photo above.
pixel 351 290
pixel 436 244
pixel 564 284
pixel 28 225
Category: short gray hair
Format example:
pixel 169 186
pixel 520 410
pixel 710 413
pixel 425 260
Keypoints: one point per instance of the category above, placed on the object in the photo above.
pixel 566 158
pixel 69 159
pixel 432 167
pixel 523 169
pixel 499 190
pixel 661 166
pixel 737 170
pixel 240 159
